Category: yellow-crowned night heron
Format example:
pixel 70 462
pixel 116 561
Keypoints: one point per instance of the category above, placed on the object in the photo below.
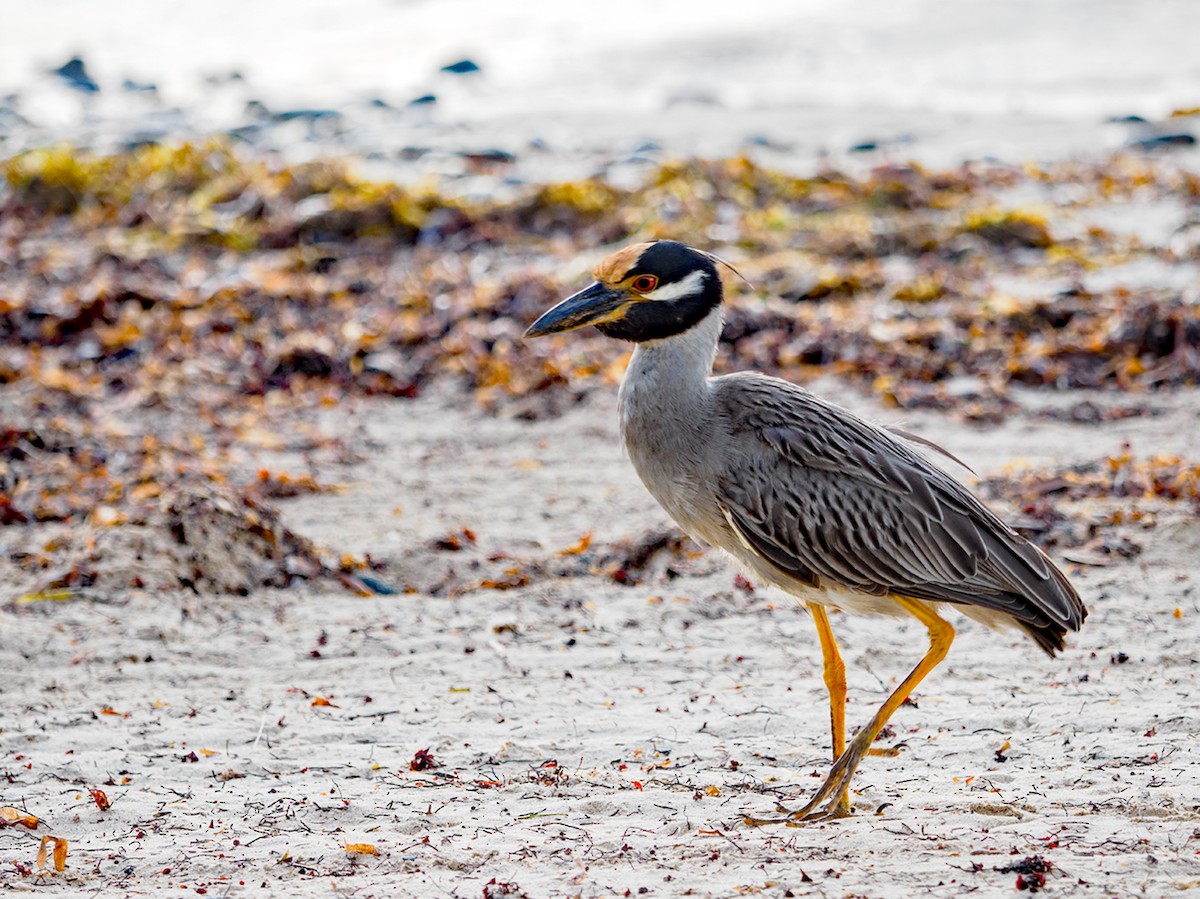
pixel 804 494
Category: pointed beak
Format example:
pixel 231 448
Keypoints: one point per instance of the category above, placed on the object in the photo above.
pixel 593 305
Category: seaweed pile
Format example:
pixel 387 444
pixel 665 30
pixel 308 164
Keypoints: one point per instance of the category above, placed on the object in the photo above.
pixel 164 308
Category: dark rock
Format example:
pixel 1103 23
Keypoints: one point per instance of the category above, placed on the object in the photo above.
pixel 864 147
pixel 423 100
pixel 305 115
pixel 462 67
pixel 224 77
pixel 488 157
pixel 379 103
pixel 138 87
pixel 143 139
pixel 377 585
pixel 1159 141
pixel 1128 120
pixel 246 133
pixel 767 143
pixel 76 75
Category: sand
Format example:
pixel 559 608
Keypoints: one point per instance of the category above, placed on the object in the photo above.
pixel 592 738
pixel 575 736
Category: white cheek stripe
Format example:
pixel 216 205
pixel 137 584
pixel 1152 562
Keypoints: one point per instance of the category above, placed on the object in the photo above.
pixel 692 284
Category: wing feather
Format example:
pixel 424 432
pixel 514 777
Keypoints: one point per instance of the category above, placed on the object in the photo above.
pixel 829 498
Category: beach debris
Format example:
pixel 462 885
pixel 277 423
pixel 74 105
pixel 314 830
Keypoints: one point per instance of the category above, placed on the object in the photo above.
pixel 508 889
pixel 168 306
pixel 100 798
pixel 58 852
pixel 1031 872
pixel 423 760
pixel 455 540
pixel 11 817
pixel 1096 507
pixel 578 547
pixel 275 485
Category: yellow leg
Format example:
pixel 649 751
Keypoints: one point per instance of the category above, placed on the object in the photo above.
pixel 835 683
pixel 835 678
pixel 836 787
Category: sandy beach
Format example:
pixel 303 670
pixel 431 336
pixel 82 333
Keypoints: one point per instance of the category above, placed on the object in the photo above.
pixel 317 579
pixel 589 738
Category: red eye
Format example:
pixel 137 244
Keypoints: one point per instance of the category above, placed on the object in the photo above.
pixel 645 283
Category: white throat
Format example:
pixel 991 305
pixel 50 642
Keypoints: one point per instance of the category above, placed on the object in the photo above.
pixel 670 376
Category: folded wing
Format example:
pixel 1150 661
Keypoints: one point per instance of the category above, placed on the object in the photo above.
pixel 830 499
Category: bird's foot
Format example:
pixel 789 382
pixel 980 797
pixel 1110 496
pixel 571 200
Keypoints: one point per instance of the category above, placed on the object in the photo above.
pixel 809 814
pixel 832 799
pixel 831 812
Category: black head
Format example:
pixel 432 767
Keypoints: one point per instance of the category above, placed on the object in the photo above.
pixel 648 291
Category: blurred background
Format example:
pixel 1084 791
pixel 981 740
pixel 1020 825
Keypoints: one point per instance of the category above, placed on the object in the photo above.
pixel 414 83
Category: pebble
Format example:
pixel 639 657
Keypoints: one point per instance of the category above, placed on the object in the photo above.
pixel 493 155
pixel 462 67
pixel 1159 141
pixel 75 73
pixel 305 115
pixel 144 139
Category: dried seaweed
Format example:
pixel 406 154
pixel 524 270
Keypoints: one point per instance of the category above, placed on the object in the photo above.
pixel 164 307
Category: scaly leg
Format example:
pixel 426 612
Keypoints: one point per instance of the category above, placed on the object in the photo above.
pixel 837 783
pixel 835 683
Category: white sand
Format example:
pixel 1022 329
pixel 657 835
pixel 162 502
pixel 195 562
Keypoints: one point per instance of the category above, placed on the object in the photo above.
pixel 547 706
pixel 643 698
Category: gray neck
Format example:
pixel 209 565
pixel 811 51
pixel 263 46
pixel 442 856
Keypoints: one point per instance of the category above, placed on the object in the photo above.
pixel 667 380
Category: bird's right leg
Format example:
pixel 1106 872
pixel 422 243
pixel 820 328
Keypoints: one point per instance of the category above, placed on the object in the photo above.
pixel 835 678
pixel 835 683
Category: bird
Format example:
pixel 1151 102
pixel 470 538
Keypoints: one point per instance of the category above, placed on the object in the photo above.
pixel 805 495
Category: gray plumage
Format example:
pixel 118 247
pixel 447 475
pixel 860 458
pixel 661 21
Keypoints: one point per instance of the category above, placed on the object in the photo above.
pixel 819 501
pixel 805 494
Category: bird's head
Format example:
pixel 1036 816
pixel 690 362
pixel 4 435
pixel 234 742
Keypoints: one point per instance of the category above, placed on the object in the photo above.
pixel 647 291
